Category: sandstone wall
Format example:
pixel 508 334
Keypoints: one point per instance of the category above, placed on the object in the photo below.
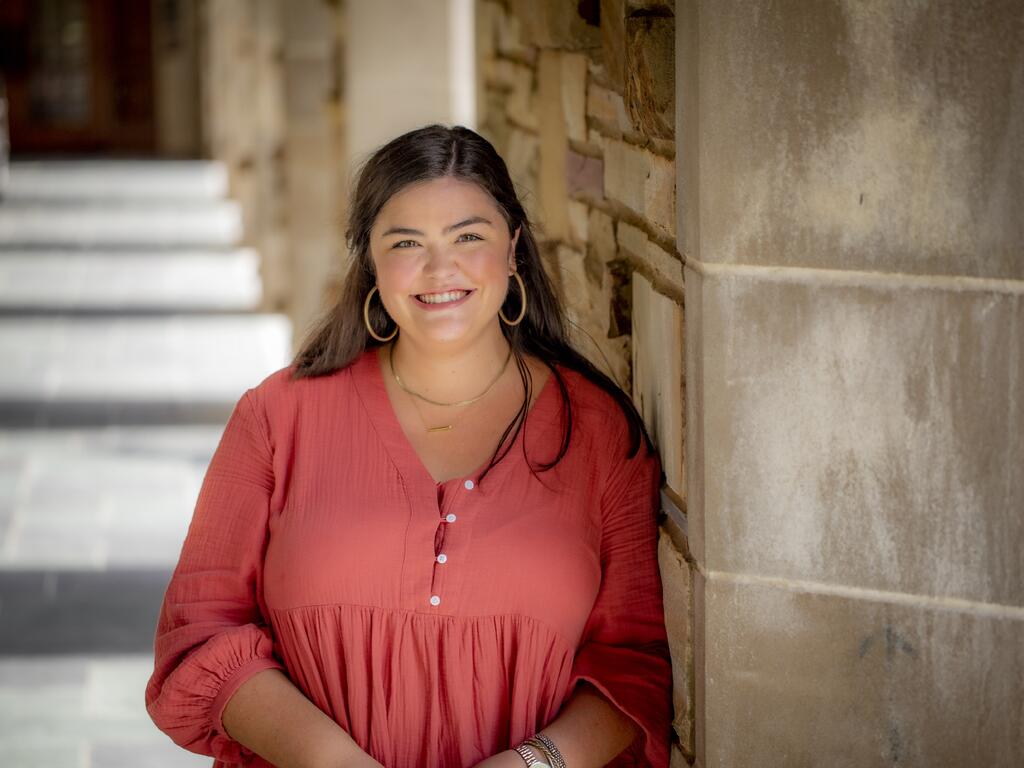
pixel 579 98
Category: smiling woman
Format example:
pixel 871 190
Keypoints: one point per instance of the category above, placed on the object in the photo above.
pixel 402 555
pixel 443 283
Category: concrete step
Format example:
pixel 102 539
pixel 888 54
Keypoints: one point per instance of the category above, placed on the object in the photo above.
pixel 96 369
pixel 163 280
pixel 82 711
pixel 99 499
pixel 116 180
pixel 86 224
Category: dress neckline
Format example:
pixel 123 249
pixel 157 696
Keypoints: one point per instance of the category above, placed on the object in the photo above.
pixel 370 384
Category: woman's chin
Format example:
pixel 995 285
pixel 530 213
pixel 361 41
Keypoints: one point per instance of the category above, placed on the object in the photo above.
pixel 446 333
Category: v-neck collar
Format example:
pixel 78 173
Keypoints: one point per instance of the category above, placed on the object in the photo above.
pixel 370 385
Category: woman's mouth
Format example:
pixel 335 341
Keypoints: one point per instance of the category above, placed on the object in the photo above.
pixel 440 300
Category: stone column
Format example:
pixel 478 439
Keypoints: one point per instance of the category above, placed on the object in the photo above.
pixel 850 188
pixel 406 66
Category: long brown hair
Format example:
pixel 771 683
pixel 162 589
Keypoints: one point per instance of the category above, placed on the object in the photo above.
pixel 433 152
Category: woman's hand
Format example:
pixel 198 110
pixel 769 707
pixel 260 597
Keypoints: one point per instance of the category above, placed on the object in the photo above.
pixel 507 759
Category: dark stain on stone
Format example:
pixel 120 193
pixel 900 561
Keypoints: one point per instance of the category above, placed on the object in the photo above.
pixel 620 310
pixel 895 743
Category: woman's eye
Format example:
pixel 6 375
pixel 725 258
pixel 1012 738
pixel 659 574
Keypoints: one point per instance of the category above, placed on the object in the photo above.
pixel 412 243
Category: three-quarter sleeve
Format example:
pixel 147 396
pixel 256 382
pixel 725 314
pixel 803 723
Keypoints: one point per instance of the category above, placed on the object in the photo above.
pixel 211 635
pixel 623 651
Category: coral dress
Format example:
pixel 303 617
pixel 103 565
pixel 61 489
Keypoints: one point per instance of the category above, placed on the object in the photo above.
pixel 437 624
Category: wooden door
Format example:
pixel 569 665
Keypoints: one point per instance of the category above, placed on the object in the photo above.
pixel 79 75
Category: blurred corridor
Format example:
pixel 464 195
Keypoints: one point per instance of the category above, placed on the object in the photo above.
pixel 790 231
pixel 128 327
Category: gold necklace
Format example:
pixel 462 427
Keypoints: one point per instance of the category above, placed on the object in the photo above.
pixel 440 428
pixel 391 362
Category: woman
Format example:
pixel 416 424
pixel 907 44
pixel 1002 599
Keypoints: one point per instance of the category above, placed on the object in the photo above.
pixel 403 553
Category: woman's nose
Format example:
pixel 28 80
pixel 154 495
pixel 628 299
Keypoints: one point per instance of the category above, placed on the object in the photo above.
pixel 440 260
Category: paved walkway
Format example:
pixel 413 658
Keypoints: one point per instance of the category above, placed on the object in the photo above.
pixel 128 331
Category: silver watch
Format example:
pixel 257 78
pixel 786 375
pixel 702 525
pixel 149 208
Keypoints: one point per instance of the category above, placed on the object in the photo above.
pixel 530 757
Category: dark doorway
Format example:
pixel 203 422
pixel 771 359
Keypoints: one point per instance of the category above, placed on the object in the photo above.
pixel 79 76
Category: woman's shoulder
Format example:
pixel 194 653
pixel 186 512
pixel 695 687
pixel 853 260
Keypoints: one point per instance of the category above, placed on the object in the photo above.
pixel 283 390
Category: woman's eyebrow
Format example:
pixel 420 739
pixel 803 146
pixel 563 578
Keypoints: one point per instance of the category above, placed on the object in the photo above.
pixel 464 223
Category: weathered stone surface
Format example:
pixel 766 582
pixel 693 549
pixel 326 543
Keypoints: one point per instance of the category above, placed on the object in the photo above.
pixel 584 175
pixel 677 759
pixel 601 245
pixel 664 267
pixel 650 74
pixel 555 25
pixel 586 305
pixel 523 161
pixel 574 95
pixel 554 147
pixel 575 287
pixel 862 432
pixel 607 110
pixel 518 82
pixel 626 169
pixel 799 678
pixel 510 40
pixel 677 588
pixel 642 181
pixel 579 220
pixel 613 42
pixel 487 18
pixel 878 138
pixel 660 194
pixel 658 375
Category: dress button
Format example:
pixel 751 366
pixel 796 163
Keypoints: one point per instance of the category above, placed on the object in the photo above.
pixel 450 517
pixel 434 600
pixel 469 485
pixel 442 558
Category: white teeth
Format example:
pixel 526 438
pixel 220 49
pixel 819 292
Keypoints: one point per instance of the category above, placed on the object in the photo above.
pixel 442 298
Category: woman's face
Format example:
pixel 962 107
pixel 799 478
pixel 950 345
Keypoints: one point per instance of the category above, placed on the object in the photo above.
pixel 443 256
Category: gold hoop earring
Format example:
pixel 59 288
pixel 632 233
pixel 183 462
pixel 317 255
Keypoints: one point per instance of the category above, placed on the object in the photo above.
pixel 366 319
pixel 522 309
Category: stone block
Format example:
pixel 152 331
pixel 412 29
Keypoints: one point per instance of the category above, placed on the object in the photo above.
pixel 658 375
pixel 574 95
pixel 660 194
pixel 861 431
pixel 876 139
pixel 601 245
pixel 607 110
pixel 626 168
pixel 487 19
pixel 815 678
pixel 650 73
pixel 510 40
pixel 556 25
pixel 588 300
pixel 664 267
pixel 579 220
pixel 642 181
pixel 577 292
pixel 677 759
pixel 613 41
pixel 522 157
pixel 584 176
pixel 518 80
pixel 554 147
pixel 677 588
